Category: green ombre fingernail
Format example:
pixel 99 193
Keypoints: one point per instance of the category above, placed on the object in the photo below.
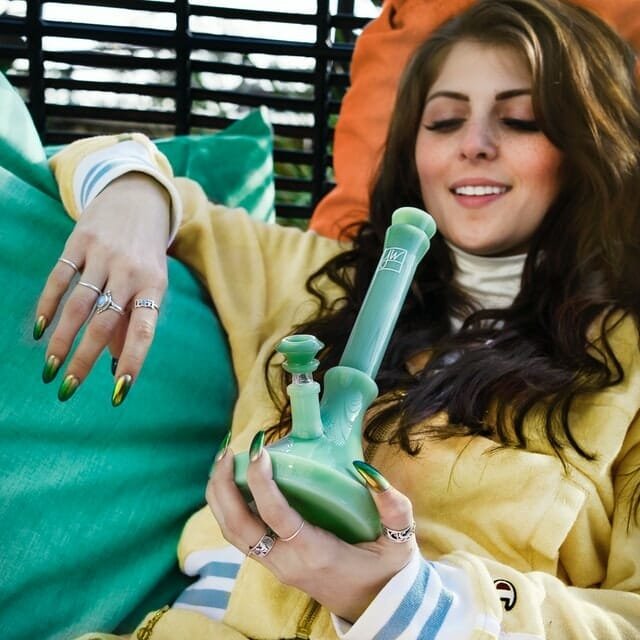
pixel 257 444
pixel 39 327
pixel 68 387
pixel 224 445
pixel 222 450
pixel 372 477
pixel 121 389
pixel 51 366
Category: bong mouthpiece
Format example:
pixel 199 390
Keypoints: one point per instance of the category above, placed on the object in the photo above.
pixel 417 218
pixel 406 242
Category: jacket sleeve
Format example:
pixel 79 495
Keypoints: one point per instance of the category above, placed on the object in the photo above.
pixel 255 271
pixel 85 167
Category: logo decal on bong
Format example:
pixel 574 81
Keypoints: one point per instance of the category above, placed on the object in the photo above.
pixel 393 259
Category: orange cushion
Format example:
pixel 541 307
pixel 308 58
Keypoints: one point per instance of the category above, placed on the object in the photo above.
pixel 380 54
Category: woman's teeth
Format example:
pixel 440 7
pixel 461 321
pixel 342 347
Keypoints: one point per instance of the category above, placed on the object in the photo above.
pixel 479 190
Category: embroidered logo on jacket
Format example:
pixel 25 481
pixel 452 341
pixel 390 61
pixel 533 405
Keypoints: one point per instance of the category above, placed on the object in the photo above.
pixel 506 593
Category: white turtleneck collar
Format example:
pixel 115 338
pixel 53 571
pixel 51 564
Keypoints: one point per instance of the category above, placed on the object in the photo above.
pixel 493 282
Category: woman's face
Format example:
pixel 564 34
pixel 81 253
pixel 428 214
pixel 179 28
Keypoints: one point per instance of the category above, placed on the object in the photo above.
pixel 487 174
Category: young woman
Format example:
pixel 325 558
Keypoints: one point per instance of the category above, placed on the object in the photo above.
pixel 507 426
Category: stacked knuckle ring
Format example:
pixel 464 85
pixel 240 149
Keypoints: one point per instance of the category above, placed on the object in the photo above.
pixel 146 303
pixel 70 263
pixel 399 535
pixel 262 548
pixel 105 302
pixel 88 285
pixel 294 534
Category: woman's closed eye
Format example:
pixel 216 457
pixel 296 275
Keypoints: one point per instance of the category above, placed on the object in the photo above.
pixel 444 125
pixel 521 124
pixel 451 124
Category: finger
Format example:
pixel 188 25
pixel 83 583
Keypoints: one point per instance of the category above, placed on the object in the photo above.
pixel 139 332
pixel 116 345
pixel 272 506
pixel 55 287
pixel 75 313
pixel 109 312
pixel 239 525
pixel 396 516
pixel 395 509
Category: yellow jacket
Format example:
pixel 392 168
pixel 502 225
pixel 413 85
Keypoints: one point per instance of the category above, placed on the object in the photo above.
pixel 562 537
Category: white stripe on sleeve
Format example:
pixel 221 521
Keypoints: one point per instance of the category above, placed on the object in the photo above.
pixel 217 570
pixel 98 169
pixel 423 601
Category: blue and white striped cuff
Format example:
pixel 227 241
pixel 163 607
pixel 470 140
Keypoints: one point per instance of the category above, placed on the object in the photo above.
pixel 417 604
pixel 216 570
pixel 100 168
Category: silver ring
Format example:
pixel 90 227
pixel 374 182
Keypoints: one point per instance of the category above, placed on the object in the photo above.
pixel 400 535
pixel 105 302
pixel 294 534
pixel 261 548
pixel 72 264
pixel 90 286
pixel 146 303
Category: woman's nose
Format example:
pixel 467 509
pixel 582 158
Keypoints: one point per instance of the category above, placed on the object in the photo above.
pixel 479 142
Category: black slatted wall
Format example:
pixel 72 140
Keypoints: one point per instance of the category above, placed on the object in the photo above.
pixel 196 68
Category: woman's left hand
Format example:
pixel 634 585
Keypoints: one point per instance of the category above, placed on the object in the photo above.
pixel 119 247
pixel 345 578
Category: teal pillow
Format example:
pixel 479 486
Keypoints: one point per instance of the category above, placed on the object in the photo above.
pixel 234 167
pixel 93 498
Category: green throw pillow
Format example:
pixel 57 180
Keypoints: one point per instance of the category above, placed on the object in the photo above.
pixel 93 498
pixel 234 167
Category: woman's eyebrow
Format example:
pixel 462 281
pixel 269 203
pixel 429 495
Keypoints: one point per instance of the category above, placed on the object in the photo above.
pixel 455 95
pixel 512 93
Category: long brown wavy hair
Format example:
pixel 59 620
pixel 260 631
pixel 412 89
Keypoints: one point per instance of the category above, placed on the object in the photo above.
pixel 582 264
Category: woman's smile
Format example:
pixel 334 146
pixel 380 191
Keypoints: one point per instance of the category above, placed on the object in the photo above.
pixel 478 192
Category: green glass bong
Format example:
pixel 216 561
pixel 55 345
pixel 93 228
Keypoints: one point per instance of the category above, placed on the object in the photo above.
pixel 312 465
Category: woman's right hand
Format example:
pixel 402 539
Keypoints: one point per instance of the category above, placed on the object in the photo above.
pixel 119 246
pixel 343 577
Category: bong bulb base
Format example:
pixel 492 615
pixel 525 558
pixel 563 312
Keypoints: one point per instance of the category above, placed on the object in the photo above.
pixel 322 495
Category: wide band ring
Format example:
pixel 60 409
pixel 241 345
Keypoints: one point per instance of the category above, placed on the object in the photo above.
pixel 105 302
pixel 399 535
pixel 146 303
pixel 88 285
pixel 262 548
pixel 70 263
